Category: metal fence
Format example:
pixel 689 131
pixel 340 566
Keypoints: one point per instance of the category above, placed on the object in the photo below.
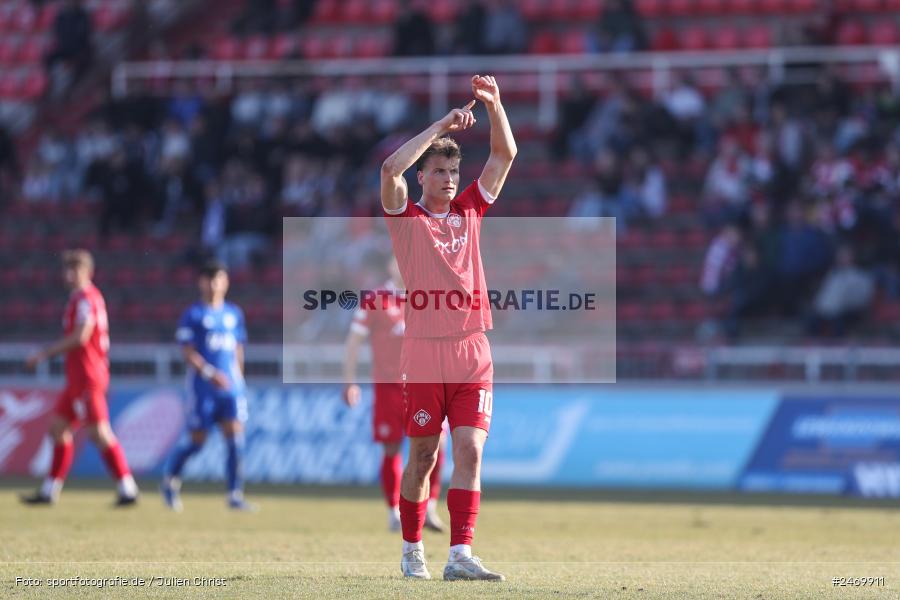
pixel 321 363
pixel 543 74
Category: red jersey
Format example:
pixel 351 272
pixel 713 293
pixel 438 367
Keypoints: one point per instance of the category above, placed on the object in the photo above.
pixel 440 259
pixel 384 325
pixel 88 363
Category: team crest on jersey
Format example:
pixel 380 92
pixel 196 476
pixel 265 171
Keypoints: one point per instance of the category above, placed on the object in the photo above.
pixel 421 418
pixel 208 321
pixel 229 321
pixel 454 220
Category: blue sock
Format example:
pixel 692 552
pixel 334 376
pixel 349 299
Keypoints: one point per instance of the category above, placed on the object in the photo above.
pixel 180 456
pixel 233 464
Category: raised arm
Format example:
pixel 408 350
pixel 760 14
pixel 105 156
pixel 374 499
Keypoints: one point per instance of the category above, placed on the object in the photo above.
pixel 393 185
pixel 503 145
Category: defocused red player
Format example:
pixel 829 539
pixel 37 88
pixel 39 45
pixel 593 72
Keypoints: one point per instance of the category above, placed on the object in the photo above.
pixel 446 364
pixel 382 323
pixel 85 344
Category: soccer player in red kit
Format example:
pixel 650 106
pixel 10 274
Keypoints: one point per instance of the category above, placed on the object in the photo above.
pixel 446 362
pixel 383 325
pixel 85 344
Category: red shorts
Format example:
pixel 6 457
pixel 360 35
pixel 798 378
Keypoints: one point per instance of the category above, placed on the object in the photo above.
pixel 387 418
pixel 83 402
pixel 447 377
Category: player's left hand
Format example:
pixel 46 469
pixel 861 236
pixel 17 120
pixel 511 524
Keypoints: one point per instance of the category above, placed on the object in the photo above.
pixel 485 88
pixel 32 361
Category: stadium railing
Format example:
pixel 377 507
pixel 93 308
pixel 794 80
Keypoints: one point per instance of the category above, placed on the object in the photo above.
pixel 321 363
pixel 540 73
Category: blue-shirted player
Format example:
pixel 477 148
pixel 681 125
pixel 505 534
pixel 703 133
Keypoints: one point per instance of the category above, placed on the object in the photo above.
pixel 212 335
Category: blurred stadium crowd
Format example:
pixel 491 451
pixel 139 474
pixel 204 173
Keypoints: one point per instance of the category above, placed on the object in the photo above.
pixel 782 199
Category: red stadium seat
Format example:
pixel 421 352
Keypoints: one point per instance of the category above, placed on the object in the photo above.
pixel 383 11
pixel 354 11
pixel 573 42
pixel 758 36
pixel 560 10
pixel 650 8
pixel 773 7
pixel 681 8
pixel 711 7
pixel 326 11
pixel 726 38
pixel 442 11
pixel 665 40
pixel 803 6
pixel 694 311
pixel 9 85
pixel 851 33
pixel 256 48
pixel 694 38
pixel 867 5
pixel 883 33
pixel 662 311
pixel 283 46
pixel 631 311
pixel 544 43
pixel 25 18
pixel 108 18
pixel 226 48
pixel 533 10
pixel 588 10
pixel 372 46
pixel 35 85
pixel 33 50
pixel 9 50
pixel 694 238
pixel 340 46
pixel 314 46
pixel 741 7
pixel 47 16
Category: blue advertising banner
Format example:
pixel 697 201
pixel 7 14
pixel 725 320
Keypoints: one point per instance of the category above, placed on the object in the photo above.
pixel 836 445
pixel 540 435
pixel 603 436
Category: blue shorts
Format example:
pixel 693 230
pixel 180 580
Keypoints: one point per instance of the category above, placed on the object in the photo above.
pixel 206 410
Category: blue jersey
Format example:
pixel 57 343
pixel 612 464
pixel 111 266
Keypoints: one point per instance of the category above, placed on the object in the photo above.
pixel 215 333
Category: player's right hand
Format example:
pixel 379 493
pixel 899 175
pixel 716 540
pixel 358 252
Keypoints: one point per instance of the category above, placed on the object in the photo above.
pixel 221 381
pixel 352 394
pixel 458 119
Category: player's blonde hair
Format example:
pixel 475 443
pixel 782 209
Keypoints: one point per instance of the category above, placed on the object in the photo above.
pixel 78 257
pixel 440 147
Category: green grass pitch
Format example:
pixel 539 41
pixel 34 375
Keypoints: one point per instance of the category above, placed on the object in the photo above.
pixel 334 544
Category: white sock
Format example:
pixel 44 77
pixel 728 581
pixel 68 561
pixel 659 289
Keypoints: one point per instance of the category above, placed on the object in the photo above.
pixel 409 546
pixel 127 487
pixel 51 487
pixel 460 551
pixel 236 495
pixel 432 504
pixel 394 511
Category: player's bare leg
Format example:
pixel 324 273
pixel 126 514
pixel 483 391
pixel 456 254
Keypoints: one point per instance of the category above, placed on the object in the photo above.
pixel 432 519
pixel 391 473
pixel 171 483
pixel 414 502
pixel 111 451
pixel 233 431
pixel 463 500
pixel 63 453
